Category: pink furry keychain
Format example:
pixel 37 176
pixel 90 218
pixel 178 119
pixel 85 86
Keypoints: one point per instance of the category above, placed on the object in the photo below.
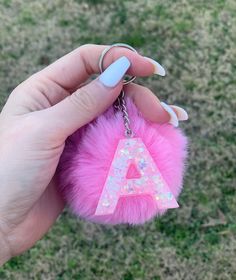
pixel 121 168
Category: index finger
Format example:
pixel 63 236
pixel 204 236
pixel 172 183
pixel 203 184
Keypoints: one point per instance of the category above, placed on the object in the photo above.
pixel 74 68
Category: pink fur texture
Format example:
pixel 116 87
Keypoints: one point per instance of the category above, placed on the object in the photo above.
pixel 88 154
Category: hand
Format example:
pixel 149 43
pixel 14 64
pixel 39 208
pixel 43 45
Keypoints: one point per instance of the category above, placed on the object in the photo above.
pixel 35 122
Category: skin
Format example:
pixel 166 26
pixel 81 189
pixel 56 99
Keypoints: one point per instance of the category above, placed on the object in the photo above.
pixel 38 117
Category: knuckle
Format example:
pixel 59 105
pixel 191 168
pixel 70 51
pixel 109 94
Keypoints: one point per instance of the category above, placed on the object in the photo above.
pixel 84 101
pixel 87 47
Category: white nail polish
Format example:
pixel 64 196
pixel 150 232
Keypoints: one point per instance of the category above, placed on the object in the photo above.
pixel 115 72
pixel 182 115
pixel 173 117
pixel 158 69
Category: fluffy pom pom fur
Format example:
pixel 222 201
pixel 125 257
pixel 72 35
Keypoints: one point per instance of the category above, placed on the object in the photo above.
pixel 89 152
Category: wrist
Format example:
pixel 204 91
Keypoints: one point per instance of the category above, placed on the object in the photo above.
pixel 5 254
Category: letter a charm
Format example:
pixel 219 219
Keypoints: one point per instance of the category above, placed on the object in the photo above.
pixel 133 172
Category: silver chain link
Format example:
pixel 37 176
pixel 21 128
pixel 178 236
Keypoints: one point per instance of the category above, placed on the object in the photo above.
pixel 121 105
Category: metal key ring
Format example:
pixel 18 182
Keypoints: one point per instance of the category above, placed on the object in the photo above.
pixel 106 50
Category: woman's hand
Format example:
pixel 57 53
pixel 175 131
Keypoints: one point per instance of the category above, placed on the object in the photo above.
pixel 35 122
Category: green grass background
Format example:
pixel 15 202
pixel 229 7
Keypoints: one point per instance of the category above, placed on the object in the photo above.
pixel 196 42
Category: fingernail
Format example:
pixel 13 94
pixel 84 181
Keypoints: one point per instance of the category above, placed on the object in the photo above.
pixel 115 72
pixel 182 115
pixel 173 117
pixel 158 69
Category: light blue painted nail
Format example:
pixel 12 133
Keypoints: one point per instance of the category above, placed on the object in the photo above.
pixel 173 117
pixel 158 68
pixel 115 72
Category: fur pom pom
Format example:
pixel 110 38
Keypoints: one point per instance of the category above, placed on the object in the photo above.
pixel 89 152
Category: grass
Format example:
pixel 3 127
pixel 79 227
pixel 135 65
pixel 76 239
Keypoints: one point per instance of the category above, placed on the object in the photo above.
pixel 195 41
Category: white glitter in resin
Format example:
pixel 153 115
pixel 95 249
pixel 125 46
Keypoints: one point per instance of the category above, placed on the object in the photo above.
pixel 133 151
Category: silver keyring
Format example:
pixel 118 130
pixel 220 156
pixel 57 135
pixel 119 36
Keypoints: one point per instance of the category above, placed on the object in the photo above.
pixel 106 50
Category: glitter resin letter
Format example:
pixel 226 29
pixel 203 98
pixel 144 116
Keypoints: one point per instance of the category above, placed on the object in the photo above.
pixel 133 172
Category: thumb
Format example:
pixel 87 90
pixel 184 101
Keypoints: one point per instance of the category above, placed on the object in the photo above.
pixel 89 101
